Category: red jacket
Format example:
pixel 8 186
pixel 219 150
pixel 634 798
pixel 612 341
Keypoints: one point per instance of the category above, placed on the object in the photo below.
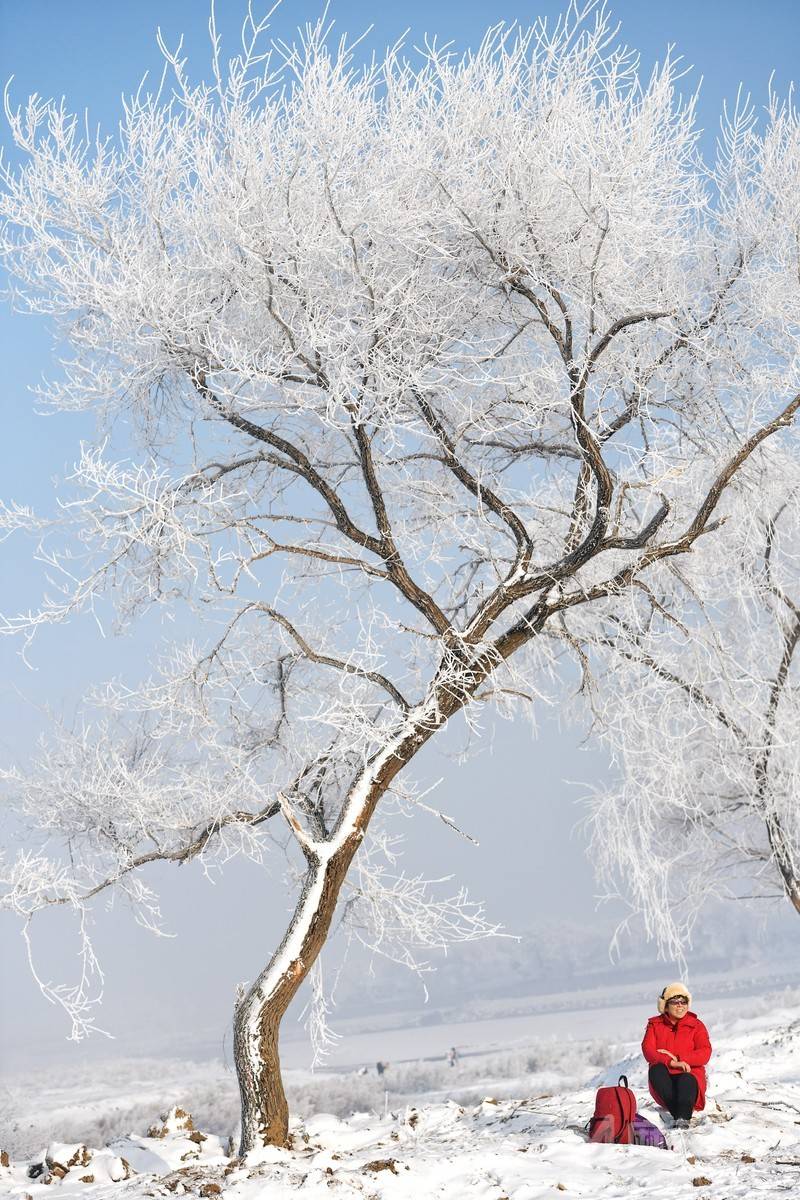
pixel 687 1040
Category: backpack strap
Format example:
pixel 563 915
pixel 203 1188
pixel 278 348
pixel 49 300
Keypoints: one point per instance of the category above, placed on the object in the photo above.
pixel 627 1110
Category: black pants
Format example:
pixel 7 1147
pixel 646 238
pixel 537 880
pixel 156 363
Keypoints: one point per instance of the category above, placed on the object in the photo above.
pixel 678 1092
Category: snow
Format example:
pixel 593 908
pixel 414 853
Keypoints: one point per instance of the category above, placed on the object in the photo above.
pixel 520 1143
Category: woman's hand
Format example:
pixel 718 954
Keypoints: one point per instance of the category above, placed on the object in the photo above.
pixel 684 1066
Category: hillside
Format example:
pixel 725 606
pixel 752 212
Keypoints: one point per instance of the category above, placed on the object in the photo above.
pixel 497 1136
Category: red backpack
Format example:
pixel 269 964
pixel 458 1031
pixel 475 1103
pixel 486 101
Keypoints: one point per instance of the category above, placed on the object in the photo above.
pixel 614 1110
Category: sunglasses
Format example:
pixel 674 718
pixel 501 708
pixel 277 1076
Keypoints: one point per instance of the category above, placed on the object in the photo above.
pixel 678 1000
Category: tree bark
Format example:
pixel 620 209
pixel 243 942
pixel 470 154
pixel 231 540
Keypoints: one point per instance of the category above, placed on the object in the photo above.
pixel 258 1016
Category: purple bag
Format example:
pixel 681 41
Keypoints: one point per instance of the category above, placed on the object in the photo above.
pixel 647 1134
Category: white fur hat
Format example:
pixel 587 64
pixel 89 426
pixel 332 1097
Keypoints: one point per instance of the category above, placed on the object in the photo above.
pixel 673 989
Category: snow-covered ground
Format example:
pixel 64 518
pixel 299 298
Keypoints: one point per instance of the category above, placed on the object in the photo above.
pixel 512 1127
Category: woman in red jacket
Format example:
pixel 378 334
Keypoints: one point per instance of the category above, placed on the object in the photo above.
pixel 677 1047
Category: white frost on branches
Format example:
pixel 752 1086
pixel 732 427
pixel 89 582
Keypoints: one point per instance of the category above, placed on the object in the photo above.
pixel 399 916
pixel 434 369
pixel 316 1013
pixel 702 707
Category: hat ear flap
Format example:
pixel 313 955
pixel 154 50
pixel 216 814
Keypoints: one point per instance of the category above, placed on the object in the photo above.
pixel 661 1005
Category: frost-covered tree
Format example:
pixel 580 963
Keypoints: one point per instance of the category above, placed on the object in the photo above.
pixel 704 719
pixel 430 364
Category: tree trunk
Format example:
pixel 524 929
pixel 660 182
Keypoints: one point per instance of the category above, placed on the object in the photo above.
pixel 784 858
pixel 784 855
pixel 256 1026
pixel 257 1020
pixel 265 1112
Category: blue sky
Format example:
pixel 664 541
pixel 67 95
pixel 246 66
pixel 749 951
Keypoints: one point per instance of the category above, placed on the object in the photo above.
pixel 91 52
